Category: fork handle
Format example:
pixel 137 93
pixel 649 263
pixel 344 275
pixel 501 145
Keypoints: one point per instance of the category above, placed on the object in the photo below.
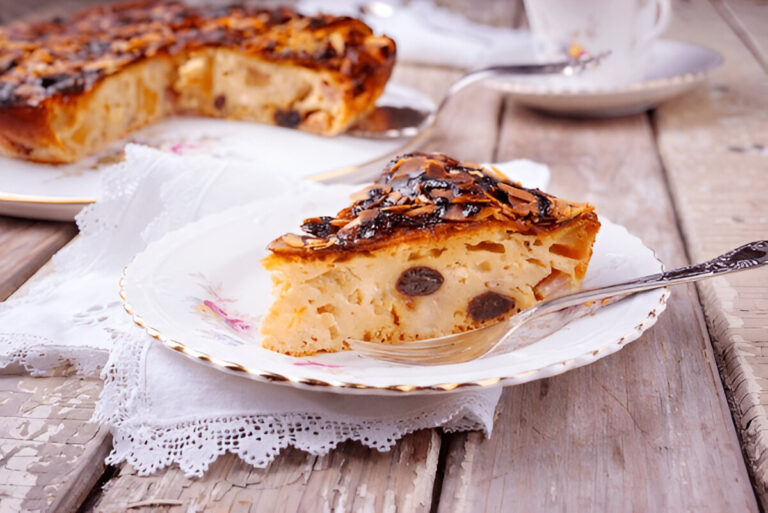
pixel 748 256
pixel 501 70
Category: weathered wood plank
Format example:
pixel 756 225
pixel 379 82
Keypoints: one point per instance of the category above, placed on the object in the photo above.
pixel 44 433
pixel 749 20
pixel 646 429
pixel 25 246
pixel 350 478
pixel 714 150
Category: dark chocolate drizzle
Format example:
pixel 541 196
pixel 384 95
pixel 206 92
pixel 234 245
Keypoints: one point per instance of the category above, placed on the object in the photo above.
pixel 40 60
pixel 419 191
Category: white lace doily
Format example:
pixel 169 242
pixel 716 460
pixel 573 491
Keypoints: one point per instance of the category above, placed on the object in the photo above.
pixel 162 408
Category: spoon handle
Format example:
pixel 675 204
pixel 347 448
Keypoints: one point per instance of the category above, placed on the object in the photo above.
pixel 565 67
pixel 508 69
pixel 748 256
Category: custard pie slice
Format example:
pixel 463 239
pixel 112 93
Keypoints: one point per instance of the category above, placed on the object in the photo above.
pixel 435 246
pixel 70 87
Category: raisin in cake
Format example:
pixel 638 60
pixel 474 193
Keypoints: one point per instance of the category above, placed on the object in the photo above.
pixel 435 246
pixel 70 87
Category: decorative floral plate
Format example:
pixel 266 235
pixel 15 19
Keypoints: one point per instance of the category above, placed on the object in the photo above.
pixel 58 192
pixel 202 291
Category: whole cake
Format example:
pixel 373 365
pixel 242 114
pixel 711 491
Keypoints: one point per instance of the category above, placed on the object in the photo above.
pixel 435 246
pixel 70 87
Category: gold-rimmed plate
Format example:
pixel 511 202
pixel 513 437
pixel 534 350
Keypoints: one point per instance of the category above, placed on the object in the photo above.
pixel 201 291
pixel 674 67
pixel 59 192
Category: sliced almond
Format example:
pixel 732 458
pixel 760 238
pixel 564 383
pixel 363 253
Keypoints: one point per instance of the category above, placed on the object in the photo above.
pixel 293 240
pixel 456 213
pixel 441 193
pixel 396 209
pixel 516 193
pixel 418 211
pixel 339 222
pixel 367 215
pixel 485 213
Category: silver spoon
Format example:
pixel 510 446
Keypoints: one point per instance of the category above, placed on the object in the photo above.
pixel 542 319
pixel 392 122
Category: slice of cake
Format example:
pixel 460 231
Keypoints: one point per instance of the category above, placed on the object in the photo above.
pixel 435 246
pixel 70 87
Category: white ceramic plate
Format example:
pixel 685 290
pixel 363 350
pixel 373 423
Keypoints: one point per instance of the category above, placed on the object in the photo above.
pixel 201 291
pixel 58 192
pixel 674 68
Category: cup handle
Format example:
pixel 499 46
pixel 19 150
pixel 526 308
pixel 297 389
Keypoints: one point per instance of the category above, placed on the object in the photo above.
pixel 664 17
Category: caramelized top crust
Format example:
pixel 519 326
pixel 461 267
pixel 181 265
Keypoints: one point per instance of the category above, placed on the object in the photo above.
pixel 431 194
pixel 41 60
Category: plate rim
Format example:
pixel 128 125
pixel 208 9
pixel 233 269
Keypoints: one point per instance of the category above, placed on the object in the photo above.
pixel 634 87
pixel 331 385
pixel 32 199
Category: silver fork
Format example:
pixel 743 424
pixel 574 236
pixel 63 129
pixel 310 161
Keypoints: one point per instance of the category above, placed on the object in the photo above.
pixel 544 318
pixel 388 121
pixel 392 122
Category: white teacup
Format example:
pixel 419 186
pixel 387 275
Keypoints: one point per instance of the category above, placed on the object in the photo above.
pixel 626 28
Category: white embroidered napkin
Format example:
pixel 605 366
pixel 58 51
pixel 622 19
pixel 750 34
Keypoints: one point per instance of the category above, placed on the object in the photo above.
pixel 163 408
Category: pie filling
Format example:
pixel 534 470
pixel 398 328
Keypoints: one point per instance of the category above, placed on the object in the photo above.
pixel 435 246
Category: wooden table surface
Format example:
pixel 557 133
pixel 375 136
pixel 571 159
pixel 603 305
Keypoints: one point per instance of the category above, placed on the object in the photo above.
pixel 646 429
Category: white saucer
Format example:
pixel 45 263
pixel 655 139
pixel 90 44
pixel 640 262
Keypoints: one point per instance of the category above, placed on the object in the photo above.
pixel 675 67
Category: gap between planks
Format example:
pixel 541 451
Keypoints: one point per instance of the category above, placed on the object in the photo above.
pixel 743 16
pixel 720 129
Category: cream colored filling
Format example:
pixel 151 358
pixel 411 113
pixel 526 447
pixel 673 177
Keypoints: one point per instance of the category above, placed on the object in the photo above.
pixel 317 303
pixel 222 82
pixel 212 82
pixel 123 103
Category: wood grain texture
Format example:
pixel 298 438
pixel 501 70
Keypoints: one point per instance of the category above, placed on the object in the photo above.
pixel 350 478
pixel 646 429
pixel 25 246
pixel 58 472
pixel 714 146
pixel 749 20
pixel 45 438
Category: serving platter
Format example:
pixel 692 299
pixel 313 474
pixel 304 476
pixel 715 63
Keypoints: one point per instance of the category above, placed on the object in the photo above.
pixel 59 192
pixel 674 68
pixel 201 291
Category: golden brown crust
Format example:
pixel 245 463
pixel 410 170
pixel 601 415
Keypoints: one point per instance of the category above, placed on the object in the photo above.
pixel 43 133
pixel 429 196
pixel 67 57
pixel 49 66
pixel 23 127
